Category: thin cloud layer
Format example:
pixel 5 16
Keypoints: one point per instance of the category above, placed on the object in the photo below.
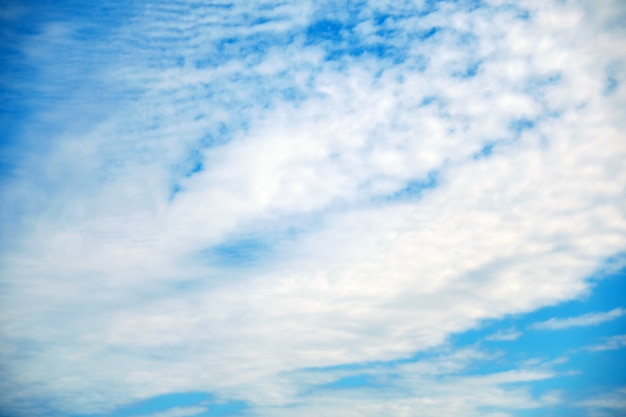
pixel 590 319
pixel 250 199
pixel 610 343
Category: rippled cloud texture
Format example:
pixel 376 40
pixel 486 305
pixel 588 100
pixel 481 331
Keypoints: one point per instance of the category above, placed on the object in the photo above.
pixel 311 208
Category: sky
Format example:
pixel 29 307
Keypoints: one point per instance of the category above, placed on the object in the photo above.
pixel 271 208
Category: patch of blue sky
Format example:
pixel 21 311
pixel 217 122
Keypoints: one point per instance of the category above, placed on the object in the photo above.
pixel 582 376
pixel 44 409
pixel 193 163
pixel 162 403
pixel 216 134
pixel 368 371
pixel 263 93
pixel 106 14
pixel 250 48
pixel 431 6
pixel 465 38
pixel 243 46
pixel 12 117
pixel 241 252
pixel 380 51
pixel 340 40
pixel 60 69
pixel 605 369
pixel 537 85
pixel 417 62
pixel 166 39
pixel 545 411
pixel 416 188
pixel 365 375
pixel 517 127
pixel 486 150
pixel 191 166
pixel 428 6
pixel 469 72
pixel 520 125
pixel 14 71
pixel 293 94
pixel 212 5
pixel 358 381
pixel 232 408
pixel 606 293
pixel 428 100
pixel 88 23
pixel 516 10
pixel 613 73
pixel 412 189
pixel 262 244
pixel 584 369
pixel 468 5
pixel 379 19
pixel 425 34
pixel 244 252
pixel 611 85
pixel 351 381
pixel 326 30
pixel 584 373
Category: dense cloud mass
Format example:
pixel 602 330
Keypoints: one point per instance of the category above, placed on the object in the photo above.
pixel 260 200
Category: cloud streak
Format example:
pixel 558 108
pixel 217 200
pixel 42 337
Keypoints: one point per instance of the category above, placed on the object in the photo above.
pixel 590 319
pixel 610 343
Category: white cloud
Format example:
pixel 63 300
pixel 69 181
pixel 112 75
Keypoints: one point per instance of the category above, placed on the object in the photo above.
pixel 104 247
pixel 609 343
pixel 606 404
pixel 589 319
pixel 504 335
pixel 428 387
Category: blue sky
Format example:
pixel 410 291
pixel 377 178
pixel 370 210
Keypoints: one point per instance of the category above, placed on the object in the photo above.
pixel 312 208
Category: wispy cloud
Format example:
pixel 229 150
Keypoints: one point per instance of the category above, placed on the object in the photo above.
pixel 443 383
pixel 589 319
pixel 179 412
pixel 606 404
pixel 504 335
pixel 609 343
